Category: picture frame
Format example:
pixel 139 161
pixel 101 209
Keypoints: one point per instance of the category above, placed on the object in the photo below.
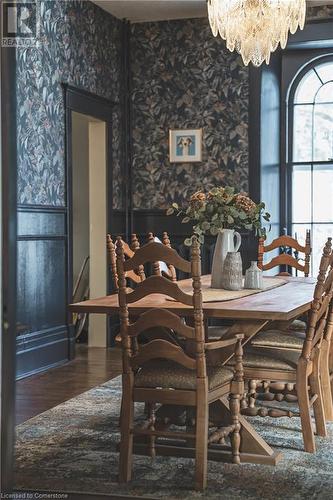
pixel 185 145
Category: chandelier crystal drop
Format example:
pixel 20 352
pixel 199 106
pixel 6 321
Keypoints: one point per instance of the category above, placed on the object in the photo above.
pixel 255 28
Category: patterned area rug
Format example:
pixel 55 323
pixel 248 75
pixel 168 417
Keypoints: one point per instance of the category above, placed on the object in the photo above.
pixel 72 447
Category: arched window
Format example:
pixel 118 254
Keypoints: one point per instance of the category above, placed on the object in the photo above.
pixel 310 155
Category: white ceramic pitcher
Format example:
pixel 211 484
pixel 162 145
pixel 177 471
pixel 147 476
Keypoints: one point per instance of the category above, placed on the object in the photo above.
pixel 225 243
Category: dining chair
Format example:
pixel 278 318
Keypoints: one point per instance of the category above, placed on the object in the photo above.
pixel 330 358
pixel 211 331
pixel 161 268
pixel 297 362
pixel 293 338
pixel 329 347
pixel 137 275
pixel 286 244
pixel 164 373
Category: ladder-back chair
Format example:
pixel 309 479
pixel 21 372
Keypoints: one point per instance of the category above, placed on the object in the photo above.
pixel 157 367
pixel 286 244
pixel 215 332
pixel 298 365
pixel 160 268
pixel 137 275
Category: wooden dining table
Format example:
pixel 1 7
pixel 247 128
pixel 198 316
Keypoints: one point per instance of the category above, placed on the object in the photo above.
pixel 249 315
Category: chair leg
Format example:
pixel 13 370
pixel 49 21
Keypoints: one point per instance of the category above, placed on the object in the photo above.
pixel 244 401
pixel 318 406
pixel 152 420
pixel 201 444
pixel 126 426
pixel 316 388
pixel 234 404
pixel 304 408
pixel 252 394
pixel 330 365
pixel 327 390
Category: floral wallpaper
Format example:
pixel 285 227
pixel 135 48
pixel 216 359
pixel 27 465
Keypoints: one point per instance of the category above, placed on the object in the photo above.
pixel 80 45
pixel 183 78
pixel 320 12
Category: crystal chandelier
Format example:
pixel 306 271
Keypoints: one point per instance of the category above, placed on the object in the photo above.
pixel 255 27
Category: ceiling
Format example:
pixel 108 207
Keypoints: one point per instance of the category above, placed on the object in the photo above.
pixel 154 10
pixel 138 11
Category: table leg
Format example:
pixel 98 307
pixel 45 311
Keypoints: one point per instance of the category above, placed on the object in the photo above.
pixel 254 448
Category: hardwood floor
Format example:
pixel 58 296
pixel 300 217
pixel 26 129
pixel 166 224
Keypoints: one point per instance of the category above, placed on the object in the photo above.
pixel 91 367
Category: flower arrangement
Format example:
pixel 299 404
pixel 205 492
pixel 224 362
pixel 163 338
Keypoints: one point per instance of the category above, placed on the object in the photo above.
pixel 221 208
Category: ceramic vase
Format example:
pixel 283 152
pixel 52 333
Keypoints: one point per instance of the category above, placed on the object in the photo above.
pixel 253 277
pixel 228 240
pixel 232 275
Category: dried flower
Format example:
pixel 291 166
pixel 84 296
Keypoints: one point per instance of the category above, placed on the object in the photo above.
pixel 217 192
pixel 245 203
pixel 198 199
pixel 220 209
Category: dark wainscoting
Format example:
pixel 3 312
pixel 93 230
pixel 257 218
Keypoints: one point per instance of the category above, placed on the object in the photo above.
pixel 117 223
pixel 42 333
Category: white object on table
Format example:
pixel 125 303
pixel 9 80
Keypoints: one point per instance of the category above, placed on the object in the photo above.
pixel 163 266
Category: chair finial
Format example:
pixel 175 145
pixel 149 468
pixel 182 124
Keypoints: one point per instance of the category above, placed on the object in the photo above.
pixel 135 244
pixel 151 238
pixel 166 239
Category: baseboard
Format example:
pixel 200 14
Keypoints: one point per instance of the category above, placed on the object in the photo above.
pixel 71 342
pixel 39 351
pixel 35 371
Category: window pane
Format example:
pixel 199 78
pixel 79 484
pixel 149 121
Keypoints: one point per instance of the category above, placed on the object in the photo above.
pixel 302 146
pixel 301 193
pixel 320 234
pixel 325 93
pixel 325 71
pixel 323 132
pixel 298 231
pixel 323 193
pixel 307 88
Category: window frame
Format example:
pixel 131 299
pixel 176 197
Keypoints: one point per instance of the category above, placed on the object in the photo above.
pixel 289 137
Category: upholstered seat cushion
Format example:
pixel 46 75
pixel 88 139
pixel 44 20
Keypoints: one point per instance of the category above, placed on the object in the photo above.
pixel 279 338
pixel 170 375
pixel 297 325
pixel 270 359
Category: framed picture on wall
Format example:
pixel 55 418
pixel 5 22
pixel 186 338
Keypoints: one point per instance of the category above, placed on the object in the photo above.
pixel 185 145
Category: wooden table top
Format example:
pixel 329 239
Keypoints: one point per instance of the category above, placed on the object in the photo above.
pixel 282 303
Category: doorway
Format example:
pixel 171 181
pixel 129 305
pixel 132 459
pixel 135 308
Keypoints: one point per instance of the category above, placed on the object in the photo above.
pixel 89 221
pixel 88 139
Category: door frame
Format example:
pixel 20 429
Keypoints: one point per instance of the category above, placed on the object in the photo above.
pixel 8 262
pixel 86 103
